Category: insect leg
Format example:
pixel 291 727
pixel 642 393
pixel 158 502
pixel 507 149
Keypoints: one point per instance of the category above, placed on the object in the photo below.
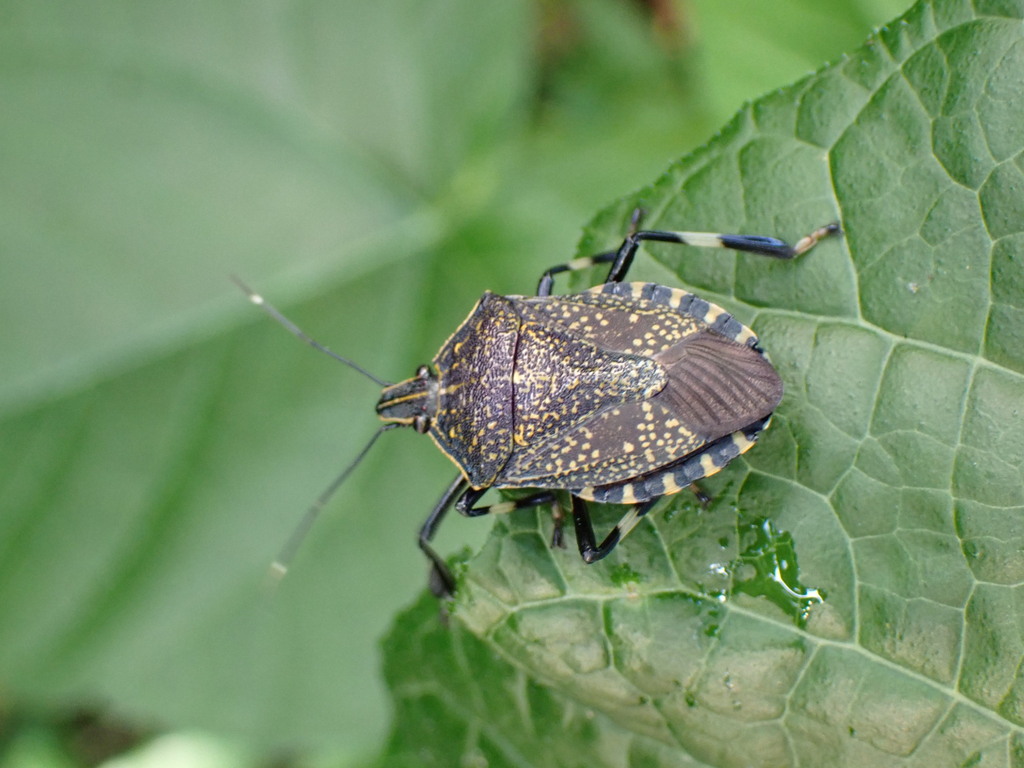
pixel 589 550
pixel 702 498
pixel 547 279
pixel 470 497
pixel 558 517
pixel 765 246
pixel 442 582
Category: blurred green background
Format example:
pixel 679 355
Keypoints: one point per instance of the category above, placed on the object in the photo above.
pixel 370 167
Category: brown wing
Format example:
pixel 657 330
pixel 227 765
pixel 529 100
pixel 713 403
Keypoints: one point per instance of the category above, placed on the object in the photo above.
pixel 715 386
pixel 718 386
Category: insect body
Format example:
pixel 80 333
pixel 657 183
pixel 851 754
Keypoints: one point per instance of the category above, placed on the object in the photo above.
pixel 623 394
pixel 600 393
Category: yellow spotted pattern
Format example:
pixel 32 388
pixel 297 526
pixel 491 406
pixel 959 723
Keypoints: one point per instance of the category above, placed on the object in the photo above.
pixel 560 380
pixel 473 423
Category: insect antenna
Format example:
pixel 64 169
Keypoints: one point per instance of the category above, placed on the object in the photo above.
pixel 280 566
pixel 292 328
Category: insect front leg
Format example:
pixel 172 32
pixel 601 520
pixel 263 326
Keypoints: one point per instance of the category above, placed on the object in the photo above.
pixel 589 550
pixel 442 582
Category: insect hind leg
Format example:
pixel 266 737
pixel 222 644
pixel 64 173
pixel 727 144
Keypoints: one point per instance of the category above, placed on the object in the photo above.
pixel 622 258
pixel 590 551
pixel 759 244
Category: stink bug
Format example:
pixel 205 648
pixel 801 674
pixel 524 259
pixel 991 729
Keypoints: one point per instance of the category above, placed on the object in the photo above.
pixel 621 394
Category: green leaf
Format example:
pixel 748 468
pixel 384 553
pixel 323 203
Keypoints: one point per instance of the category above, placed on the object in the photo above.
pixel 161 436
pixel 459 704
pixel 746 47
pixel 892 478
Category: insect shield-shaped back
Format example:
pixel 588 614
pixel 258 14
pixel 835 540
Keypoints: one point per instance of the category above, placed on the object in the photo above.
pixel 604 389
